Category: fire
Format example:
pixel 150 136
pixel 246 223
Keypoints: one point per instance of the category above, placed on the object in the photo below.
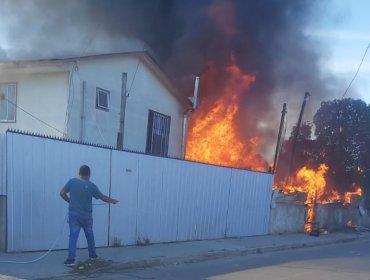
pixel 348 196
pixel 213 134
pixel 313 183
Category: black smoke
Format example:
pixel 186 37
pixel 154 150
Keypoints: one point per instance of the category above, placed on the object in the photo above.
pixel 266 36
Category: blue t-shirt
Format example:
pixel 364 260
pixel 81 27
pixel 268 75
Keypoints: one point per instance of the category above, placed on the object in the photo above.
pixel 81 193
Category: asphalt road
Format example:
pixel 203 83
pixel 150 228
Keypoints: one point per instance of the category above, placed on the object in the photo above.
pixel 340 262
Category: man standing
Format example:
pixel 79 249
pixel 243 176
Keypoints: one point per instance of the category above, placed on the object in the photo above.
pixel 81 191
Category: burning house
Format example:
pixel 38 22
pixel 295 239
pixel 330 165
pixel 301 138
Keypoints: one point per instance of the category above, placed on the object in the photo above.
pixel 252 57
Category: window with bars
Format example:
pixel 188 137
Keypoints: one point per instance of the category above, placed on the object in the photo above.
pixel 8 102
pixel 158 134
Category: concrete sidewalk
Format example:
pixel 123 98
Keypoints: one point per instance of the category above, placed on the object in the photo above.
pixel 161 254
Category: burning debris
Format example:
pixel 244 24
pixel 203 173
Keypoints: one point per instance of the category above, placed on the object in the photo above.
pixel 250 56
pixel 313 183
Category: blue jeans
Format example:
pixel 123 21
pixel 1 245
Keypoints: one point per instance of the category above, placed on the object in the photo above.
pixel 76 222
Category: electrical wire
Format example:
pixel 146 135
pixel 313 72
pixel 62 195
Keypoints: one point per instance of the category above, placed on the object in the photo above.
pixel 358 70
pixel 96 125
pixel 339 113
pixel 31 115
pixel 71 94
pixel 151 21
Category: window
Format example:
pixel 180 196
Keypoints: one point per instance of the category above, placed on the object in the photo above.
pixel 158 134
pixel 8 102
pixel 102 99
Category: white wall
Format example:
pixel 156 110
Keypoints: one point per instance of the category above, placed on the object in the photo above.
pixel 44 95
pixel 48 90
pixel 147 92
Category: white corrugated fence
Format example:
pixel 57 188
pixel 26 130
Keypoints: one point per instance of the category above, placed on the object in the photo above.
pixel 161 199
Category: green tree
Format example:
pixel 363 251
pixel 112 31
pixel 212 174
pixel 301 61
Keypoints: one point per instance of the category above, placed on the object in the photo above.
pixel 343 138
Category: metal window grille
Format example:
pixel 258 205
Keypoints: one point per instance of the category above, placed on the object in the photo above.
pixel 158 134
pixel 102 99
pixel 8 101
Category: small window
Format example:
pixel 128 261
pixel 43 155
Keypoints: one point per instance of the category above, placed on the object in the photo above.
pixel 102 99
pixel 158 134
pixel 8 102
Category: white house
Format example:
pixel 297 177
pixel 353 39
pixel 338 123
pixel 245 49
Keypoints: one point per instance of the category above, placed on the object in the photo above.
pixel 95 99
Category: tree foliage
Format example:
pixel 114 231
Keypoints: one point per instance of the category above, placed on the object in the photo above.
pixel 343 138
pixel 342 141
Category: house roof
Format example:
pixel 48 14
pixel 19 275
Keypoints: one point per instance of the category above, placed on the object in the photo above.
pixel 144 56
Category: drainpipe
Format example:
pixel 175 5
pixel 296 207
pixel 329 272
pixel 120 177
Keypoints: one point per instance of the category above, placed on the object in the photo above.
pixel 184 132
pixel 186 116
pixel 121 130
pixel 83 98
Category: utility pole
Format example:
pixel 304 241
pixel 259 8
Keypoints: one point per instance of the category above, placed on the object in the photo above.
pixel 121 130
pixel 306 97
pixel 283 113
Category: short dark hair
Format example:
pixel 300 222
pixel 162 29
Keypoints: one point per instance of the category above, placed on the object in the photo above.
pixel 84 170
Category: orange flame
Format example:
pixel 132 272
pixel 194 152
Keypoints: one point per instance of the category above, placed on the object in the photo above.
pixel 348 196
pixel 310 181
pixel 314 184
pixel 213 135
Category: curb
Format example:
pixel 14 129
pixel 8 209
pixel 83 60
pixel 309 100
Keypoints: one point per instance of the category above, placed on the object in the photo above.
pixel 212 255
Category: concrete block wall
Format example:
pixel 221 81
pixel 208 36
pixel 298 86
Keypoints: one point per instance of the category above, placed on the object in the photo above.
pixel 336 217
pixel 287 218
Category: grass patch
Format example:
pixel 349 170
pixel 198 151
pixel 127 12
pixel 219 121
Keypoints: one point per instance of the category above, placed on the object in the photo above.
pixel 91 265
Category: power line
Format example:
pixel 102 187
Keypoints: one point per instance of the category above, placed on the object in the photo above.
pixel 151 21
pixel 358 70
pixel 33 116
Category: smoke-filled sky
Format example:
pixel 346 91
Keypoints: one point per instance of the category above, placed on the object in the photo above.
pixel 276 40
pixel 344 29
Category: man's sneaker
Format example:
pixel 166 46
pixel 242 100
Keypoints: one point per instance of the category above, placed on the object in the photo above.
pixel 94 257
pixel 69 263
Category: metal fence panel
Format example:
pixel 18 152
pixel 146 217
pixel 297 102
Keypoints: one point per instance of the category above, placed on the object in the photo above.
pixel 161 199
pixel 2 164
pixel 152 200
pixel 249 203
pixel 37 170
pixel 166 200
pixel 123 217
pixel 203 205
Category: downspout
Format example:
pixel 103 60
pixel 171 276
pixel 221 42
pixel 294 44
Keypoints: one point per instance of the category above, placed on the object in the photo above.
pixel 83 98
pixel 186 116
pixel 121 130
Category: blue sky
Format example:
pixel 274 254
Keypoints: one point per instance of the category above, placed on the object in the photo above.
pixel 343 28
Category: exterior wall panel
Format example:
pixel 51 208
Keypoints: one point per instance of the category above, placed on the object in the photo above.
pixel 2 164
pixel 125 179
pixel 44 95
pixel 249 203
pixel 148 92
pixel 37 170
pixel 161 199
